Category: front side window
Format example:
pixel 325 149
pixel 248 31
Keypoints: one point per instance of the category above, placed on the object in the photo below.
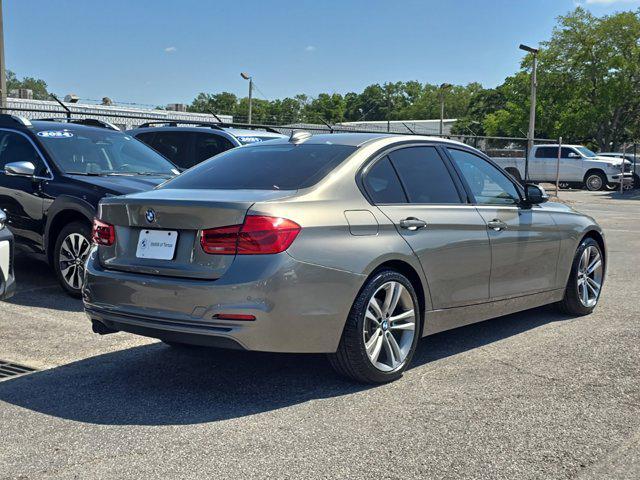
pixel 424 175
pixel 586 152
pixel 102 152
pixel 170 144
pixel 264 167
pixel 488 184
pixel 382 184
pixel 15 147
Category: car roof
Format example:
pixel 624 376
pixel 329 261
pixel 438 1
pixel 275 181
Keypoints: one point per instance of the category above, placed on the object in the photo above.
pixel 44 125
pixel 236 132
pixel 360 139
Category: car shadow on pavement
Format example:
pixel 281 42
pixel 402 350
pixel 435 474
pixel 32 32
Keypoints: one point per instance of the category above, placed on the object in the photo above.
pixel 160 385
pixel 33 275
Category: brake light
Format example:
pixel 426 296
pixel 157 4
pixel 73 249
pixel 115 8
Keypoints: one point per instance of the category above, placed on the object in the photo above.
pixel 103 233
pixel 258 235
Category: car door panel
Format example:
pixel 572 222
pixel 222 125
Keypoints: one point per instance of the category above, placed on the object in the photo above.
pixel 525 251
pixel 453 249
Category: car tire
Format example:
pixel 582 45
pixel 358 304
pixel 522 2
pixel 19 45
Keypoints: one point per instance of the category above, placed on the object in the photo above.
pixel 366 353
pixel 574 302
pixel 71 250
pixel 595 181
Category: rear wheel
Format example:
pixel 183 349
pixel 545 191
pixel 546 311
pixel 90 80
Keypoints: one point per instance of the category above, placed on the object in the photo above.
pixel 585 282
pixel 595 181
pixel 381 332
pixel 69 256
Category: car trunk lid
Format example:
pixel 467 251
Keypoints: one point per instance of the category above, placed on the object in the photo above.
pixel 158 232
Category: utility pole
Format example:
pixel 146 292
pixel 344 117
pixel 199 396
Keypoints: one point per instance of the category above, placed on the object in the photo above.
pixel 3 72
pixel 532 111
pixel 246 76
pixel 443 87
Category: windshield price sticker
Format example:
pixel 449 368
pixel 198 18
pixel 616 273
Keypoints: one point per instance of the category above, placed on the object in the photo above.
pixel 55 134
pixel 249 139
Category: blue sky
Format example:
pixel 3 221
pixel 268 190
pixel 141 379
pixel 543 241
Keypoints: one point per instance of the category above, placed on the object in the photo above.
pixel 162 51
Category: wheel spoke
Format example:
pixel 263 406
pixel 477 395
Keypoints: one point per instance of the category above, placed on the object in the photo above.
pixel 374 350
pixel 594 265
pixel 403 316
pixel 593 285
pixel 584 260
pixel 393 296
pixel 585 293
pixel 375 307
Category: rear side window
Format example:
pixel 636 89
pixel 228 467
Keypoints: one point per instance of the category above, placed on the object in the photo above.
pixel 208 145
pixel 382 184
pixel 172 145
pixel 264 167
pixel 547 152
pixel 424 175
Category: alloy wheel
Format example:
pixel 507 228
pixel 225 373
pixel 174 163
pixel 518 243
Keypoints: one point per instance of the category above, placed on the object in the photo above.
pixel 389 326
pixel 73 254
pixel 594 182
pixel 590 273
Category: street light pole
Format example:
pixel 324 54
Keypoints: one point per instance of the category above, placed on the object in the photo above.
pixel 246 76
pixel 3 73
pixel 532 111
pixel 442 89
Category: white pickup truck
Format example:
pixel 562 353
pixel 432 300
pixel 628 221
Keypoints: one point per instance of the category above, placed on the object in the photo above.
pixel 578 165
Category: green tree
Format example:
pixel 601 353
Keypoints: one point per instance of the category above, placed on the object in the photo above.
pixel 38 86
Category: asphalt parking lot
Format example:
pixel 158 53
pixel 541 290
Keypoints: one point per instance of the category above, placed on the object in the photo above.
pixel 531 395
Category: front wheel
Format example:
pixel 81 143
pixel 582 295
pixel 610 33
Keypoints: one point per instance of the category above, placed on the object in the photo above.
pixel 595 181
pixel 585 282
pixel 382 331
pixel 71 251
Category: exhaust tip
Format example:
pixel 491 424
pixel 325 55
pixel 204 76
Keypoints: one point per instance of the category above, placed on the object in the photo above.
pixel 100 328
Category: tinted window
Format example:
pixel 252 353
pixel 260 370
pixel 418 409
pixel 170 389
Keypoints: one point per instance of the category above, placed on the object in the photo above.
pixel 99 151
pixel 382 184
pixel 208 145
pixel 424 175
pixel 547 152
pixel 488 184
pixel 265 167
pixel 172 145
pixel 15 147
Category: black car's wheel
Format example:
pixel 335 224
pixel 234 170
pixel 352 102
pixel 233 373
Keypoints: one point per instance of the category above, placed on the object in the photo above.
pixel 381 332
pixel 585 281
pixel 595 181
pixel 69 256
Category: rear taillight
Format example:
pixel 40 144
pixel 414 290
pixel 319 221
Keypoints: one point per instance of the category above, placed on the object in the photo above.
pixel 259 235
pixel 103 233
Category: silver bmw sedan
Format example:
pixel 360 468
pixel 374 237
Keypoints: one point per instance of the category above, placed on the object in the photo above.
pixel 352 245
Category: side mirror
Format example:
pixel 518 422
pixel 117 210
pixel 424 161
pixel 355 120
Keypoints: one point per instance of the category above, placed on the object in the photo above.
pixel 574 155
pixel 20 169
pixel 535 194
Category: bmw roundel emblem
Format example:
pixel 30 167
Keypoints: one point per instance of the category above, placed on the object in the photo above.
pixel 150 215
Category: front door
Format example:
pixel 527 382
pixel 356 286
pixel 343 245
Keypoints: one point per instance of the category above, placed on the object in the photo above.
pixel 525 243
pixel 21 197
pixel 417 189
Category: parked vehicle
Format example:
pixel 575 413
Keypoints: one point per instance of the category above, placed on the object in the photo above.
pixel 7 279
pixel 52 175
pixel 351 244
pixel 578 165
pixel 635 163
pixel 187 144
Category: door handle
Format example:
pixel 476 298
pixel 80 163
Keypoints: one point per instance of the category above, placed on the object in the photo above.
pixel 412 223
pixel 496 225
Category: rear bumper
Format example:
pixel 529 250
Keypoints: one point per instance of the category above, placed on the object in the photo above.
pixel 7 277
pixel 299 307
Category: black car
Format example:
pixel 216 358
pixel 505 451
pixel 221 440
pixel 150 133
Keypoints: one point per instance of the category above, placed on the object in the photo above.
pixel 187 144
pixel 7 279
pixel 54 173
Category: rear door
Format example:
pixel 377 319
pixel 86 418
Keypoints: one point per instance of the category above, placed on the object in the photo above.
pixel 525 243
pixel 417 189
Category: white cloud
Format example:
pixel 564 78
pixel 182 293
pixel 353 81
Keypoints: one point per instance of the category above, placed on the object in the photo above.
pixel 309 48
pixel 170 49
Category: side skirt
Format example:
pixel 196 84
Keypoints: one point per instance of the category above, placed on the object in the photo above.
pixel 448 318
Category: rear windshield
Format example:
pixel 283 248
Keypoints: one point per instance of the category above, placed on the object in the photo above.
pixel 264 167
